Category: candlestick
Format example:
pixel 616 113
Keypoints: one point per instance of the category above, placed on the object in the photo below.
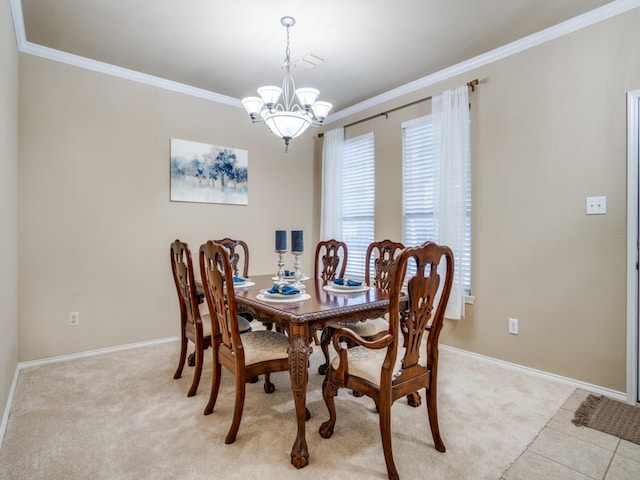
pixel 281 280
pixel 281 240
pixel 296 265
pixel 297 244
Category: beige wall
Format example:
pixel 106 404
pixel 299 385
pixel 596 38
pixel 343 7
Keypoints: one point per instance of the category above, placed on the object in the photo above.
pixel 8 203
pixel 95 217
pixel 548 131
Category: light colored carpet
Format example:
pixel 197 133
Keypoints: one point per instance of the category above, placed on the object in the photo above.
pixel 120 415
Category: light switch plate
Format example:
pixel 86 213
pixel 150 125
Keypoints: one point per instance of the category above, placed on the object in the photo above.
pixel 596 205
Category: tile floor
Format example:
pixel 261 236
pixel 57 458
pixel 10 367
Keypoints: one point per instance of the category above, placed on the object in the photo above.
pixel 562 451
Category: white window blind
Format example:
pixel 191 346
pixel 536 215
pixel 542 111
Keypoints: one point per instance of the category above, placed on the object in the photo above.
pixel 358 201
pixel 420 191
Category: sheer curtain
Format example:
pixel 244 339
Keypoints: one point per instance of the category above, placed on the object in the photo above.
pixel 331 207
pixel 451 124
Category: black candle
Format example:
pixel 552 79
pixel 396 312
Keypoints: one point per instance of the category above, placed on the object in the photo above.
pixel 297 245
pixel 281 240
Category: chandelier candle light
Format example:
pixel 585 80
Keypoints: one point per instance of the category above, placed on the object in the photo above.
pixel 287 119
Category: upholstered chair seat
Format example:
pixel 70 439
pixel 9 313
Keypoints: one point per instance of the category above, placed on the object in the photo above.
pixel 264 345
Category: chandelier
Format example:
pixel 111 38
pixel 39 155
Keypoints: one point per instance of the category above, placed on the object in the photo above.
pixel 277 108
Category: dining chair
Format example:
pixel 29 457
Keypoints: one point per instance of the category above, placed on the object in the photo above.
pixel 193 327
pixel 379 260
pixel 239 258
pixel 330 260
pixel 392 366
pixel 259 352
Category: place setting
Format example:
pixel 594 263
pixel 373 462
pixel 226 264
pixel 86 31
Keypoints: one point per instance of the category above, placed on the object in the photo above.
pixel 345 286
pixel 283 294
pixel 290 276
pixel 240 283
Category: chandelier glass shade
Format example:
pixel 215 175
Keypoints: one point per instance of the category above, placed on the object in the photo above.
pixel 277 107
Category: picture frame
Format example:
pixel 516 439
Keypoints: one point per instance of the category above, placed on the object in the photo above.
pixel 204 173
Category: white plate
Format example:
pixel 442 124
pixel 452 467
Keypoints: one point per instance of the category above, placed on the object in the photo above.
pixel 266 293
pixel 303 278
pixel 283 298
pixel 245 284
pixel 342 289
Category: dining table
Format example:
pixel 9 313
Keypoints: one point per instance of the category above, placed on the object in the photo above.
pixel 300 316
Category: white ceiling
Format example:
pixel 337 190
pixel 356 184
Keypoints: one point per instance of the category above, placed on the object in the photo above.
pixel 231 47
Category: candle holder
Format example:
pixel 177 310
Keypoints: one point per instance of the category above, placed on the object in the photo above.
pixel 280 274
pixel 296 265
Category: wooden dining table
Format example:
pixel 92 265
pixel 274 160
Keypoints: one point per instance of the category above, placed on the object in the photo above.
pixel 300 320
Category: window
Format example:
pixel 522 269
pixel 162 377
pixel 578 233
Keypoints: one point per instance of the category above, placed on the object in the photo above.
pixel 420 191
pixel 358 201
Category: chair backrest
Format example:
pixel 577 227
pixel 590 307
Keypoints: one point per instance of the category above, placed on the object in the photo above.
pixel 238 256
pixel 330 260
pixel 182 268
pixel 409 322
pixel 217 281
pixel 379 262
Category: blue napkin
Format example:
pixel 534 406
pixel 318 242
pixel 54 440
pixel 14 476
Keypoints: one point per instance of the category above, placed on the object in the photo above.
pixel 239 279
pixel 349 283
pixel 284 290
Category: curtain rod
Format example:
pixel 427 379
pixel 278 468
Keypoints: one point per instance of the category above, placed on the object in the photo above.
pixel 472 84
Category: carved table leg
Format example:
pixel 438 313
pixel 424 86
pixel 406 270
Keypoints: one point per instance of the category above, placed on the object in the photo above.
pixel 299 352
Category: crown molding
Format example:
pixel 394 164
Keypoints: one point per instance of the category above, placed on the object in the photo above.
pixel 108 69
pixel 612 9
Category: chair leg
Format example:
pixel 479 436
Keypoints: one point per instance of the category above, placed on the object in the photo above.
pixel 414 399
pixel 329 390
pixel 198 370
pixel 237 411
pixel 215 385
pixel 385 433
pixel 325 339
pixel 432 410
pixel 183 356
pixel 268 386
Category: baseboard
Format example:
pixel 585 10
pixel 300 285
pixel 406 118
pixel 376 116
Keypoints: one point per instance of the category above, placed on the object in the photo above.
pixel 550 376
pixel 21 365
pixel 90 353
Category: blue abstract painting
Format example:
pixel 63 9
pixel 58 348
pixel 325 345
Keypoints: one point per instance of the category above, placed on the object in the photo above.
pixel 208 173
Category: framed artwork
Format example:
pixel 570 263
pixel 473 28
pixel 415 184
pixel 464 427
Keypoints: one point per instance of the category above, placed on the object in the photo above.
pixel 206 173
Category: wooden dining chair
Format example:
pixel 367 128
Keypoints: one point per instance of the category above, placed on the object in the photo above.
pixel 379 261
pixel 259 352
pixel 238 256
pixel 193 327
pixel 330 260
pixel 238 252
pixel 392 366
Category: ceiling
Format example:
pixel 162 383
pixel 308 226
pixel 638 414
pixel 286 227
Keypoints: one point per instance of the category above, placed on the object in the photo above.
pixel 230 48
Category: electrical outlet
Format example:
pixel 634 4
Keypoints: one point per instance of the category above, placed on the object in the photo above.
pixel 597 205
pixel 74 318
pixel 513 326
